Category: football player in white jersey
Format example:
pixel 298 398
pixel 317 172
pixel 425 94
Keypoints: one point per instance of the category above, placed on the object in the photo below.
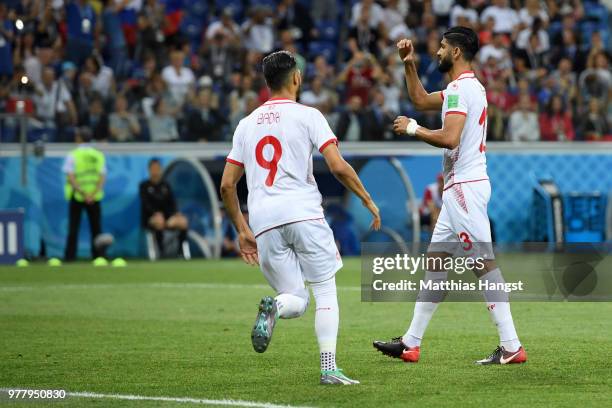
pixel 287 234
pixel 463 224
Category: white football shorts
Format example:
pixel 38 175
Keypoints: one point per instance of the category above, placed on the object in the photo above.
pixel 463 227
pixel 299 252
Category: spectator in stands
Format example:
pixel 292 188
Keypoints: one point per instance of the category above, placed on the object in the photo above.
pixel 47 26
pixel 565 80
pixel 500 104
pixel 84 93
pixel 569 8
pixel 391 94
pixel 556 121
pixel 432 203
pixel 358 123
pixel 178 78
pixel 531 12
pixel 359 75
pixel 85 170
pixel 116 44
pixel 150 37
pixel 204 121
pixel 35 62
pixel 239 98
pixel 363 37
pixel 53 102
pixel 427 30
pixel 523 125
pixel 522 40
pixel 219 54
pixel 485 34
pixel 95 119
pixel 258 30
pixel 287 43
pixel 462 9
pixel 596 80
pixel 506 18
pixel 442 9
pixel 382 117
pixel 225 27
pixel 317 95
pixel 159 211
pixel 374 10
pixel 324 71
pixel 162 125
pixel 393 17
pixel 294 17
pixel 81 26
pixel 496 50
pixel 123 125
pixel 103 81
pixel 69 77
pixel 594 124
pixel 569 48
pixel 158 90
pixel 534 53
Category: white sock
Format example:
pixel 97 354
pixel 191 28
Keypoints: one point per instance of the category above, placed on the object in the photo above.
pixel 499 308
pixel 424 308
pixel 327 320
pixel 290 306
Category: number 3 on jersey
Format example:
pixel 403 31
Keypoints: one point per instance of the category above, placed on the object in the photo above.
pixel 271 165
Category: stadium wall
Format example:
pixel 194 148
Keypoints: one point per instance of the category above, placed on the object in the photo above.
pixel 512 172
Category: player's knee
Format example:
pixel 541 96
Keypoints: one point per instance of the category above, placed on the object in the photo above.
pixel 291 306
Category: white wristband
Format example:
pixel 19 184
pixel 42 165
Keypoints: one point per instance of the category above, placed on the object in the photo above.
pixel 412 127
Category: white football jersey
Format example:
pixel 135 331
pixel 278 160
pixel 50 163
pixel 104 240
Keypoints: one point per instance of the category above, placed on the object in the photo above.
pixel 467 162
pixel 275 144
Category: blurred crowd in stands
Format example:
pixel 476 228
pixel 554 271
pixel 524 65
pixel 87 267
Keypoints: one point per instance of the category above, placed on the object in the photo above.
pixel 188 70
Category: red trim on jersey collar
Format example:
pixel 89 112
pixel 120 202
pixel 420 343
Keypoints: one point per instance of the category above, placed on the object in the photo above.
pixel 465 74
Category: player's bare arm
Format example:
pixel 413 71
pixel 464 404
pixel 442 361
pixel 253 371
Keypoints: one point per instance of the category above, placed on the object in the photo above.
pixel 248 246
pixel 421 99
pixel 345 173
pixel 448 137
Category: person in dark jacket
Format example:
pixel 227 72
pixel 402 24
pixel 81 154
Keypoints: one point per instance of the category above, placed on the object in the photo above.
pixel 158 207
pixel 358 123
pixel 204 121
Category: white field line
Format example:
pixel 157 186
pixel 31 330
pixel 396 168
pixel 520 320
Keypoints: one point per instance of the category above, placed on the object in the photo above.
pixel 226 402
pixel 152 285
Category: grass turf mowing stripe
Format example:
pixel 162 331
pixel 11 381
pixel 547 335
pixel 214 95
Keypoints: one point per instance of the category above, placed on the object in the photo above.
pixel 200 401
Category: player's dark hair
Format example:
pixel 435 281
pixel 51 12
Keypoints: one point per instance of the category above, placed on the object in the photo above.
pixel 464 38
pixel 277 67
pixel 154 160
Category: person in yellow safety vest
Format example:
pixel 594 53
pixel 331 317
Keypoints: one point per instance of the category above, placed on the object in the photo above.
pixel 85 169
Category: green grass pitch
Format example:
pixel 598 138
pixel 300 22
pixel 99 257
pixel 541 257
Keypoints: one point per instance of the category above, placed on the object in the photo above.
pixel 182 329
